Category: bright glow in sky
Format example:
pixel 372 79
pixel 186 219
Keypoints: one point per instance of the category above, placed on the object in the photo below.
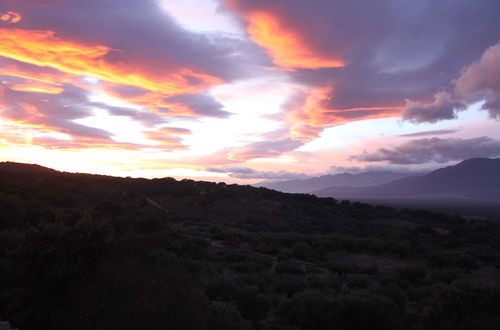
pixel 201 16
pixel 213 89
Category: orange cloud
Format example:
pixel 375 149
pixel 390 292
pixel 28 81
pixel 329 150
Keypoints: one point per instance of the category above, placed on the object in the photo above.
pixel 174 131
pixel 304 132
pixel 37 88
pixel 10 17
pixel 160 103
pixel 166 137
pixel 154 101
pixel 288 48
pixel 44 48
pixel 43 75
pixel 309 116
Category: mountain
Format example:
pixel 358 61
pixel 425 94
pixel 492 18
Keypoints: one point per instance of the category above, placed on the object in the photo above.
pixel 472 182
pixel 337 180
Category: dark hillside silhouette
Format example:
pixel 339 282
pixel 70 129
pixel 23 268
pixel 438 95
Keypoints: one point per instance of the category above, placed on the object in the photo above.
pixel 80 251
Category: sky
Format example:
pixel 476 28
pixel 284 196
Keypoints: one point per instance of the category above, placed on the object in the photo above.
pixel 247 90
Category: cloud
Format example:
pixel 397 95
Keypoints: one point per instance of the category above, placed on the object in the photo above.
pixel 45 48
pixel 197 104
pixel 44 114
pixel 287 47
pixel 184 105
pixel 443 107
pixel 351 64
pixel 309 111
pixel 436 150
pixel 334 169
pixel 263 149
pixel 176 130
pixel 52 112
pixel 348 60
pixel 60 54
pixel 134 48
pixel 249 173
pixel 146 118
pixel 10 17
pixel 167 137
pixel 481 81
pixel 430 133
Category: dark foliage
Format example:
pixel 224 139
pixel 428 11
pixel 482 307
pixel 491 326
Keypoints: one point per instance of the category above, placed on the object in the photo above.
pixel 85 252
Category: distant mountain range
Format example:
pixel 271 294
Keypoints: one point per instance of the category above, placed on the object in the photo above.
pixel 338 180
pixel 478 177
pixel 471 184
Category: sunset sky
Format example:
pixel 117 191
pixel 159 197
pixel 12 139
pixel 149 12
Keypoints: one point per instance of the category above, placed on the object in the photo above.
pixel 247 90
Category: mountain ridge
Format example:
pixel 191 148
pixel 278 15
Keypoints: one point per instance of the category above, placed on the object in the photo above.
pixel 334 180
pixel 471 183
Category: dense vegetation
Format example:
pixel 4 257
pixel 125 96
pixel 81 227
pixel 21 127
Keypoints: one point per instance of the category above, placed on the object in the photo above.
pixel 93 252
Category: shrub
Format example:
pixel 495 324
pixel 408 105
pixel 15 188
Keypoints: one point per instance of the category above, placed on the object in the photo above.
pixel 302 251
pixel 467 262
pixel 289 267
pixel 223 315
pixel 411 274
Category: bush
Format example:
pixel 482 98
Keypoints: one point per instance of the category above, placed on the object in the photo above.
pixel 315 310
pixel 302 251
pixel 467 262
pixel 224 316
pixel 439 260
pixel 411 274
pixel 253 305
pixel 463 305
pixel 289 267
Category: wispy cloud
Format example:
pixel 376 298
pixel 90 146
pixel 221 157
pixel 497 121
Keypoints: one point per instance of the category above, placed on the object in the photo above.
pixel 430 133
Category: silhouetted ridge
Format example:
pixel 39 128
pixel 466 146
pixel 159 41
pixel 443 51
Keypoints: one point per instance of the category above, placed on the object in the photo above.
pixel 22 167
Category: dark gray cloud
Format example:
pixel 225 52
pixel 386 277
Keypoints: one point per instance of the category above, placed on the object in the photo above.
pixel 436 150
pixel 477 82
pixel 200 104
pixel 345 169
pixel 144 117
pixel 481 81
pixel 59 112
pixel 443 107
pixel 430 133
pixel 55 112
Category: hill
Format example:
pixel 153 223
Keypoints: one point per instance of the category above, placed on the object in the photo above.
pixel 80 251
pixel 337 180
pixel 474 183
